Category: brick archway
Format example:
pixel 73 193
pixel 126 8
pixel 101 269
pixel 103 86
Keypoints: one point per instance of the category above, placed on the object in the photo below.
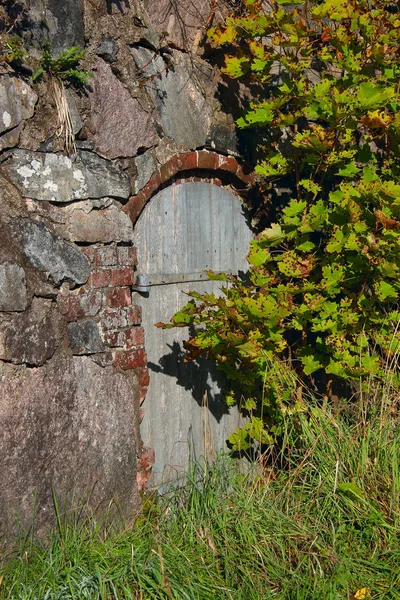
pixel 201 165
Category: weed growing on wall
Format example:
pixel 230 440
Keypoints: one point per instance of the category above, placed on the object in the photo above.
pixel 320 307
pixel 65 68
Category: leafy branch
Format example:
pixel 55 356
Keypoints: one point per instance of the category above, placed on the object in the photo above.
pixel 321 311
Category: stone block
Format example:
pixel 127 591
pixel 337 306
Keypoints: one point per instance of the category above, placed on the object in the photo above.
pixel 107 49
pixel 121 126
pixel 182 22
pixel 73 307
pixel 17 102
pixel 68 426
pixel 222 139
pixel 30 337
pixel 56 178
pixel 82 224
pixel 13 290
pixel 50 253
pixel 145 166
pixel 182 109
pixel 84 337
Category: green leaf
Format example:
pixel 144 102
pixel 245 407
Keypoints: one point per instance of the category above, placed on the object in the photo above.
pixel 371 95
pixel 239 440
pixel 310 364
pixel 349 171
pixel 350 489
pixel 213 276
pixel 385 290
pixel 295 207
pixel 257 256
pixel 272 235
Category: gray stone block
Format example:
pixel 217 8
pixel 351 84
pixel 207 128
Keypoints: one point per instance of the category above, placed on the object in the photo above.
pixel 84 337
pixel 13 290
pixel 182 109
pixel 17 102
pixel 50 253
pixel 56 178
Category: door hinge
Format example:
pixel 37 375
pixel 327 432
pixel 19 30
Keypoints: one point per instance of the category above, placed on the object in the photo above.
pixel 145 282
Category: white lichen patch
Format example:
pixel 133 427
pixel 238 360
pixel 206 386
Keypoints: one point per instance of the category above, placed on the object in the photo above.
pixel 6 118
pixel 78 175
pixel 36 165
pixel 50 185
pixel 25 171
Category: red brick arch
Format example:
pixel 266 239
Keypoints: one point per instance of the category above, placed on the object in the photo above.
pixel 184 164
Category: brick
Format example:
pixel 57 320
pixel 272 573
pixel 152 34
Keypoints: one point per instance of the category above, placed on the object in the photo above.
pixel 115 319
pixel 207 160
pixel 146 459
pixel 168 170
pixel 127 256
pixel 121 277
pixel 130 359
pixel 118 298
pixel 121 318
pixel 188 161
pixel 246 177
pixel 153 185
pixel 227 163
pixel 143 377
pixel 99 279
pixel 134 315
pixel 135 205
pixel 106 256
pixel 127 338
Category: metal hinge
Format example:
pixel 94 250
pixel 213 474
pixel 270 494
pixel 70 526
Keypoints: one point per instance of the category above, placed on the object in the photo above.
pixel 145 282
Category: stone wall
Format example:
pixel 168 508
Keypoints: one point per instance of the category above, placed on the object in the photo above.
pixel 73 371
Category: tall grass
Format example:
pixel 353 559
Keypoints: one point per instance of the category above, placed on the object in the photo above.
pixel 319 521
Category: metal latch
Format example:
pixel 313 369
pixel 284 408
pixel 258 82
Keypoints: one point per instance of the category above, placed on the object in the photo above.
pixel 145 282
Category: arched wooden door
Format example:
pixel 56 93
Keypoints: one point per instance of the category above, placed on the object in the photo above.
pixel 185 229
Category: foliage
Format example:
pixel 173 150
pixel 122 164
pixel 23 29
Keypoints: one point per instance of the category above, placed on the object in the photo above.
pixel 14 51
pixel 322 523
pixel 65 67
pixel 321 302
pixel 13 16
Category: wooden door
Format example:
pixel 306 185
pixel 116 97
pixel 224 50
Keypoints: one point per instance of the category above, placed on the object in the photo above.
pixel 185 229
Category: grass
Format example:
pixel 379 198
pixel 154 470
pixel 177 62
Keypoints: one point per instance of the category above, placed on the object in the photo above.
pixel 321 522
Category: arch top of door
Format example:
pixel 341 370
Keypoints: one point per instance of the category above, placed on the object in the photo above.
pixel 208 165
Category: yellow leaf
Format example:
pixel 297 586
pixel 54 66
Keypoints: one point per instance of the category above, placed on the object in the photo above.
pixel 362 594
